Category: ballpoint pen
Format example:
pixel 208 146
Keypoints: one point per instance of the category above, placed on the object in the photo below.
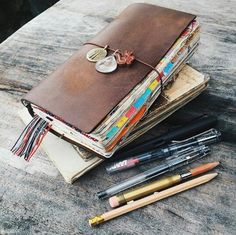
pixel 157 185
pixel 170 164
pixel 208 137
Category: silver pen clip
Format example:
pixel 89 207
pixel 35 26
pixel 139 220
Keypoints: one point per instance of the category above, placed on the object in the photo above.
pixel 211 134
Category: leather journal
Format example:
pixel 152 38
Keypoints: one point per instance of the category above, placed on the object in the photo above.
pixel 188 84
pixel 96 105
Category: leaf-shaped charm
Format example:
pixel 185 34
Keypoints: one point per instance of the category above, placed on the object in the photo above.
pixel 96 54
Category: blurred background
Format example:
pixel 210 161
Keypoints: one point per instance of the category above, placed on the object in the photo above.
pixel 15 13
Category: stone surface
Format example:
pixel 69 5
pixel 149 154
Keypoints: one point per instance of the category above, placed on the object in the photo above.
pixel 41 202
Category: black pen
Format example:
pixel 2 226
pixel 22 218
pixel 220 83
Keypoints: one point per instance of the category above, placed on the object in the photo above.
pixel 192 128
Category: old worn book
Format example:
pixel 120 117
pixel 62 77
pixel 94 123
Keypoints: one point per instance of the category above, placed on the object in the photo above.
pixel 72 162
pixel 86 105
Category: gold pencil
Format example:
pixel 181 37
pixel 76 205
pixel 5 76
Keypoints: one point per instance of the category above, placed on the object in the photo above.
pixel 151 199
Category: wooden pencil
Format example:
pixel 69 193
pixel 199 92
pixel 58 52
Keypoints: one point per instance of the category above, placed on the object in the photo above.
pixel 151 199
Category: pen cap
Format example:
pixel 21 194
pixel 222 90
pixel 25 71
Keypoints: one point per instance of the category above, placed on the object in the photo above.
pixel 185 159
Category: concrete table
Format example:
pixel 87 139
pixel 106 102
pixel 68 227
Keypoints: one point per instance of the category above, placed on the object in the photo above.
pixel 41 202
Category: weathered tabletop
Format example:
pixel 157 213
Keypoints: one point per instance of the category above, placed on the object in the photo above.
pixel 43 202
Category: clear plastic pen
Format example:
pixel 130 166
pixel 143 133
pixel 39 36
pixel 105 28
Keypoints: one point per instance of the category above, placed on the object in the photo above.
pixel 208 137
pixel 170 164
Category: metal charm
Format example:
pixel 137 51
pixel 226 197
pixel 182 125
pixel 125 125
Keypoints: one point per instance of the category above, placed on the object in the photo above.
pixel 106 65
pixel 96 54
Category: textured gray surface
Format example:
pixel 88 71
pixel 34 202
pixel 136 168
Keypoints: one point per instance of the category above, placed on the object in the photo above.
pixel 41 202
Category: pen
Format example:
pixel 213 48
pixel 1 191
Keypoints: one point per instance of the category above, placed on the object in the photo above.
pixel 208 137
pixel 157 185
pixel 151 199
pixel 194 127
pixel 170 164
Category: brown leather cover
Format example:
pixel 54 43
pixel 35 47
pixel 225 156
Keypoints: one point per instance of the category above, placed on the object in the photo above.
pixel 80 95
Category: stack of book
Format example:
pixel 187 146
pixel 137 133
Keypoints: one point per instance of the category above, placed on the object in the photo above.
pixel 134 69
pixel 73 161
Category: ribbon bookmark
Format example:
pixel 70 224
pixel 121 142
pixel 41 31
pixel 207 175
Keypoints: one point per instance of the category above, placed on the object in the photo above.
pixel 31 138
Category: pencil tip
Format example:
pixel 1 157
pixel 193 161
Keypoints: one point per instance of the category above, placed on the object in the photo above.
pixel 212 175
pixel 216 163
pixel 203 168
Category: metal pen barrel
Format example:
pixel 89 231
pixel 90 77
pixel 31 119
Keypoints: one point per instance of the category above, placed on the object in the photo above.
pixel 143 191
